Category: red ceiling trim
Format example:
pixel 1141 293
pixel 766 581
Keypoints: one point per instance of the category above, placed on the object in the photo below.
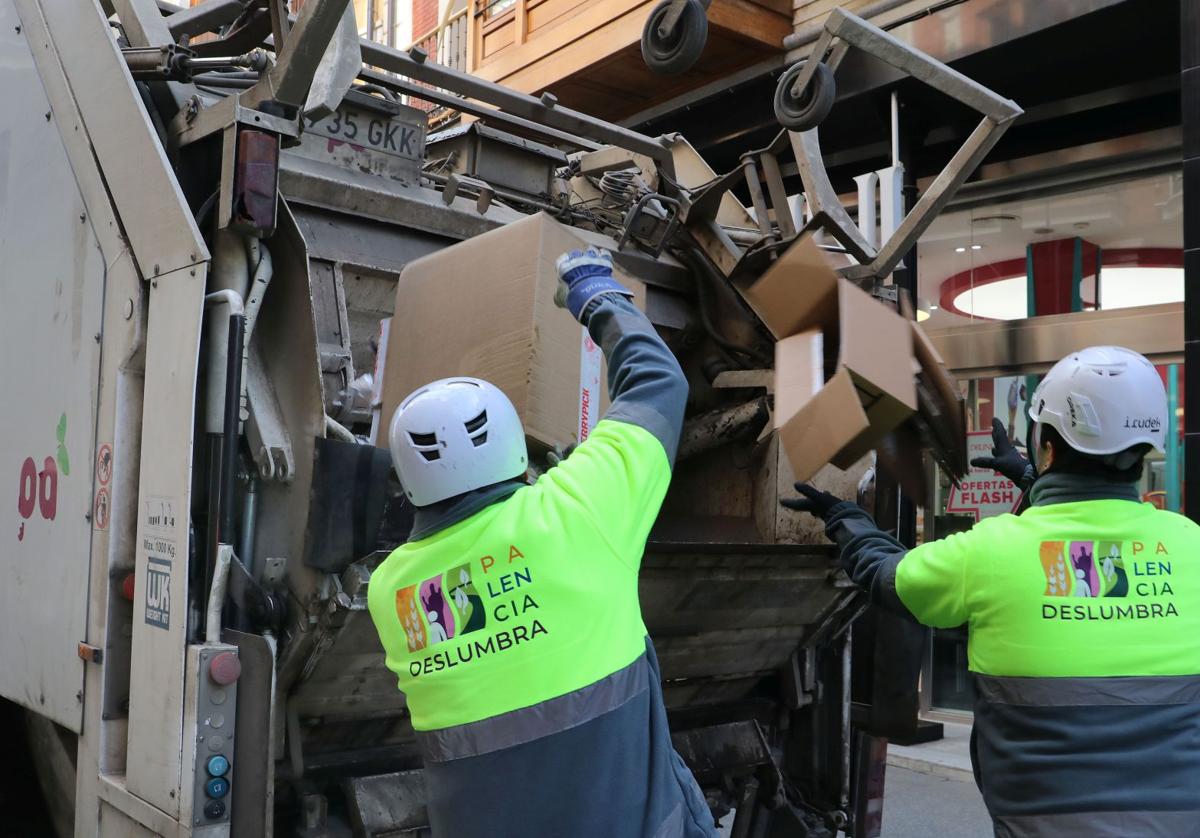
pixel 980 275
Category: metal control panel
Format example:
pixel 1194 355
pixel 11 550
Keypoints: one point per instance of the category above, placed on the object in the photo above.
pixel 216 703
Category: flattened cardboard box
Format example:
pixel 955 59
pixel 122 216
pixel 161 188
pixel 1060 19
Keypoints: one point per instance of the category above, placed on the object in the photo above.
pixel 844 365
pixel 485 308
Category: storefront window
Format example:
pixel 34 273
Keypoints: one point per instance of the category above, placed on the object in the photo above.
pixel 974 264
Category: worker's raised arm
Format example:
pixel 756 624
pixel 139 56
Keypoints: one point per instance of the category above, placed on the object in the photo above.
pixel 619 475
pixel 645 384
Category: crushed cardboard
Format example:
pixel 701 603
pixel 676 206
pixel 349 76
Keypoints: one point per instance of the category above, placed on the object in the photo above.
pixel 844 363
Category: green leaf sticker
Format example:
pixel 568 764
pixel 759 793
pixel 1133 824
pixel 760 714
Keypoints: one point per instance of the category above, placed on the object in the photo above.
pixel 64 462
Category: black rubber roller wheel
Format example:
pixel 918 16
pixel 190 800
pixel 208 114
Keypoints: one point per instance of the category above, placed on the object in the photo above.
pixel 807 111
pixel 680 50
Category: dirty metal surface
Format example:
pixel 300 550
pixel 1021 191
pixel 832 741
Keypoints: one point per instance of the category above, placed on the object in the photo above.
pixel 387 803
pixel 720 749
pixel 730 615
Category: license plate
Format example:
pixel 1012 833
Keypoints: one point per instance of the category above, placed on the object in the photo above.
pixel 376 132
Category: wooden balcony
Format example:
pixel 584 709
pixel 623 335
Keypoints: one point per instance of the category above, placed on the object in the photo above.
pixel 588 54
pixel 449 42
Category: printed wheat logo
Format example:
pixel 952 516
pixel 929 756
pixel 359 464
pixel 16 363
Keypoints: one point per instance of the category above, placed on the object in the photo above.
pixel 440 608
pixel 1083 569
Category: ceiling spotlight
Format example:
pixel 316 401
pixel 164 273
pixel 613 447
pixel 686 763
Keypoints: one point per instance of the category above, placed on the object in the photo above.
pixel 977 247
pixel 960 250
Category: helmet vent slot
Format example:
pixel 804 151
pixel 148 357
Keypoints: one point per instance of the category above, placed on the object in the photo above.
pixel 430 456
pixel 476 424
pixel 423 439
pixel 479 440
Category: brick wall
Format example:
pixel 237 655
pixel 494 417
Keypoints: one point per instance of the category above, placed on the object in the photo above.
pixel 424 16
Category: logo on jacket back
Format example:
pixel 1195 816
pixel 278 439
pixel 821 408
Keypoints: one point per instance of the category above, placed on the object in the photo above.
pixel 1084 568
pixel 441 607
pixel 1089 570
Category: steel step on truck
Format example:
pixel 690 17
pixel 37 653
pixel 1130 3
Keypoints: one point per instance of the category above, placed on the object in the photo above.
pixel 203 217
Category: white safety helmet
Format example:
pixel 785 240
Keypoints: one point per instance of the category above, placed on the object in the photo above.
pixel 1103 400
pixel 455 435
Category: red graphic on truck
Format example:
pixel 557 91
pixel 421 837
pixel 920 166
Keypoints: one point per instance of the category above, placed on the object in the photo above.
pixel 37 490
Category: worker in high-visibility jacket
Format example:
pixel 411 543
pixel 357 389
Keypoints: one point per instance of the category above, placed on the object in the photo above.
pixel 511 616
pixel 1083 614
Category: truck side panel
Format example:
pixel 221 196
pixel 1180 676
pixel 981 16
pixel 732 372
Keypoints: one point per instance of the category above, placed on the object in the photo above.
pixel 165 245
pixel 52 283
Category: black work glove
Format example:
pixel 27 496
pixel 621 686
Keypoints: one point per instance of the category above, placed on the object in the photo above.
pixel 557 455
pixel 812 501
pixel 1005 458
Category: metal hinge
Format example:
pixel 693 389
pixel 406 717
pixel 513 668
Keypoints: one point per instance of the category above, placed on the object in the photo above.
pixel 89 653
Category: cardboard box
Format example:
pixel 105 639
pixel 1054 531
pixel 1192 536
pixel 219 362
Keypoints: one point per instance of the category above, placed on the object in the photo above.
pixel 485 308
pixel 844 365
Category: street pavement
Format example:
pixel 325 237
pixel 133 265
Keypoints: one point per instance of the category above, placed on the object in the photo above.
pixel 919 805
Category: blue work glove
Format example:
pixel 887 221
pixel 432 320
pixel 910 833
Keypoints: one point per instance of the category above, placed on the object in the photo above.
pixel 585 275
pixel 1006 459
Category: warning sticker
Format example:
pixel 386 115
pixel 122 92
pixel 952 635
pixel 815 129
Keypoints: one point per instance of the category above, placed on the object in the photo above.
pixel 158 543
pixel 101 509
pixel 104 464
pixel 160 514
pixel 982 493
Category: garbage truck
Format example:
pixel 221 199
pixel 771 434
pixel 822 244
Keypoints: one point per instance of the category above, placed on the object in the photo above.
pixel 204 215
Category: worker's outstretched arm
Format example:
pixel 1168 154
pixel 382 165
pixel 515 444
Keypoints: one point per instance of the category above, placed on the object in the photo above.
pixel 926 584
pixel 869 555
pixel 618 477
pixel 645 384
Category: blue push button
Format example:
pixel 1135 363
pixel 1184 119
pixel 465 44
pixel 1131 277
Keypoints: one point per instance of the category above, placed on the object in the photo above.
pixel 217 787
pixel 214 809
pixel 218 766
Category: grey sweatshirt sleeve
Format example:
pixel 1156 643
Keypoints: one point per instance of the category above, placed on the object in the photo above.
pixel 869 555
pixel 646 386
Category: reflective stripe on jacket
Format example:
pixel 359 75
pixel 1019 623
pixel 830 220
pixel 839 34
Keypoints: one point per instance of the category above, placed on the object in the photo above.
pixel 1084 619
